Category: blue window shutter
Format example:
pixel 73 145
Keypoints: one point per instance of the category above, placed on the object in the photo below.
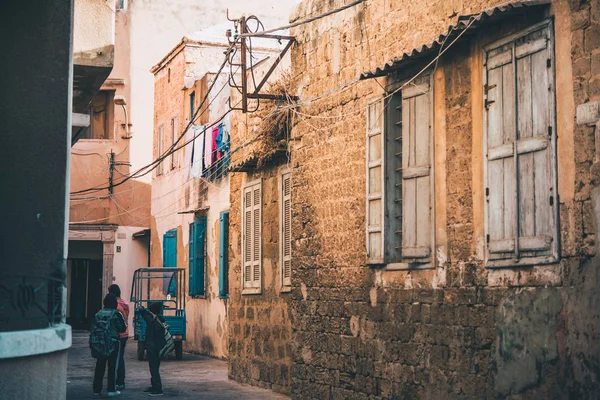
pixel 192 260
pixel 223 256
pixel 170 259
pixel 200 248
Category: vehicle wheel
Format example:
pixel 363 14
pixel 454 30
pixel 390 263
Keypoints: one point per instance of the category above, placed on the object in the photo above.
pixel 178 350
pixel 141 348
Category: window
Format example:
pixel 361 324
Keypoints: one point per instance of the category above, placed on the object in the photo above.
pixel 223 256
pixel 285 232
pixel 192 105
pixel 251 238
pixel 400 220
pixel 160 148
pixel 101 116
pixel 174 127
pixel 170 260
pixel 520 142
pixel 197 248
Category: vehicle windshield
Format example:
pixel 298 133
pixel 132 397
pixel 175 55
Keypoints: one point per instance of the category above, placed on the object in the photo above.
pixel 158 285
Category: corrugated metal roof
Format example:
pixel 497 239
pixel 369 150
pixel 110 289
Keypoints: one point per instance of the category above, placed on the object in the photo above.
pixel 432 48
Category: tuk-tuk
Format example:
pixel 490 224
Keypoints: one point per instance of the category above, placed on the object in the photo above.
pixel 166 286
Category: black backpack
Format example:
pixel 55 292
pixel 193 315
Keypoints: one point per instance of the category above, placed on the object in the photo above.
pixel 101 341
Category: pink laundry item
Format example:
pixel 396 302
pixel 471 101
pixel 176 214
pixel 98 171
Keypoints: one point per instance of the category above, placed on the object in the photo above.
pixel 215 152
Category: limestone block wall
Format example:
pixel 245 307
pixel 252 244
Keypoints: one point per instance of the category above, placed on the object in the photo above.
pixel 459 330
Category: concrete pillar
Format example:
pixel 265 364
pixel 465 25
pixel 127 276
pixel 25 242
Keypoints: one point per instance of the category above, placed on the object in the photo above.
pixel 35 105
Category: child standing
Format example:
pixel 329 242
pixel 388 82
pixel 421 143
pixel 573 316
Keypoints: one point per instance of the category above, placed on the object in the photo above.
pixel 123 308
pixel 154 343
pixel 104 343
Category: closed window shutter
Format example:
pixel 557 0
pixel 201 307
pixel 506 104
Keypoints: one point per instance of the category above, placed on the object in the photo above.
pixel 251 240
pixel 160 148
pixel 375 182
pixel 223 255
pixel 192 262
pixel 286 230
pixel 199 247
pixel 521 167
pixel 417 175
pixel 170 260
pixel 256 237
pixel 174 135
pixel 247 238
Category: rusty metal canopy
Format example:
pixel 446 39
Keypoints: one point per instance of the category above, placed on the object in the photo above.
pixel 476 21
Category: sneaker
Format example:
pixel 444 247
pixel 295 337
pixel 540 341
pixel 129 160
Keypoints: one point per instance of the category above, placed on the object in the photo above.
pixel 155 393
pixel 114 394
pixel 148 389
pixel 120 387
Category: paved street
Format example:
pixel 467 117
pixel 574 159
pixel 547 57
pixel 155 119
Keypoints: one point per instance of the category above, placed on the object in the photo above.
pixel 194 377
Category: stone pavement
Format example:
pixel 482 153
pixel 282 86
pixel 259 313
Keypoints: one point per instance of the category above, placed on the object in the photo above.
pixel 194 377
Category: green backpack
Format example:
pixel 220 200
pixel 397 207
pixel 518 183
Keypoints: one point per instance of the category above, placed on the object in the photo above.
pixel 101 340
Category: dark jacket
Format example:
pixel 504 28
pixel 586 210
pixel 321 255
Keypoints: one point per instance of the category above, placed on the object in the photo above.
pixel 155 332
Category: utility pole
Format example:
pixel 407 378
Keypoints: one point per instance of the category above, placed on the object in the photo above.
pixel 111 162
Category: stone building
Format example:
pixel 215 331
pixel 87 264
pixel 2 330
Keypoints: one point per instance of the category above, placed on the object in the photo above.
pixel 260 324
pixel 189 196
pixel 445 204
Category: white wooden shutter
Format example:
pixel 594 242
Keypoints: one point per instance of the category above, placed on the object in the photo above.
pixel 521 206
pixel 286 230
pixel 375 182
pixel 252 239
pixel 417 174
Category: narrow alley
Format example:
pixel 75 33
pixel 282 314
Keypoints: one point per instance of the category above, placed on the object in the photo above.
pixel 194 377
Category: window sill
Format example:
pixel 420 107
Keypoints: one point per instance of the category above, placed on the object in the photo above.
pixel 524 262
pixel 251 291
pixel 285 289
pixel 403 266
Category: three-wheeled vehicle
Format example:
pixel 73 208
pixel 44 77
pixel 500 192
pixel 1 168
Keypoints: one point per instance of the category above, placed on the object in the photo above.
pixel 167 286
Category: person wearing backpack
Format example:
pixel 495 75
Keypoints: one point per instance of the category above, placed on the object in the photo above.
pixel 155 342
pixel 104 343
pixel 123 308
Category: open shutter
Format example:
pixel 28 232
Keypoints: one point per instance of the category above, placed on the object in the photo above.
pixel 223 255
pixel 251 240
pixel 417 175
pixel 521 166
pixel 375 182
pixel 286 230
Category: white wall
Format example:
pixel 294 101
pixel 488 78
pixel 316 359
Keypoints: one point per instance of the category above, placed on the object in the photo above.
pixel 133 255
pixel 93 24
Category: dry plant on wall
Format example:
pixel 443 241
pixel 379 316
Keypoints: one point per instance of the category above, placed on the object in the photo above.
pixel 274 125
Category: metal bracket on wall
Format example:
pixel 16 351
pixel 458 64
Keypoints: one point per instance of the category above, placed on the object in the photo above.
pixel 243 88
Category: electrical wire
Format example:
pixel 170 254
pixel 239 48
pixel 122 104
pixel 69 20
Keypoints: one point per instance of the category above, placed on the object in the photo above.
pixel 304 21
pixel 150 167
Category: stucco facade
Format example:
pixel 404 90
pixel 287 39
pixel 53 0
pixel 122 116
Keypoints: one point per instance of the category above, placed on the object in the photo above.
pixel 178 197
pixel 458 327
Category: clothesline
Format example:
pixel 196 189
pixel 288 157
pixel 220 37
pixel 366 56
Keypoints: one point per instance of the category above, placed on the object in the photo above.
pixel 208 148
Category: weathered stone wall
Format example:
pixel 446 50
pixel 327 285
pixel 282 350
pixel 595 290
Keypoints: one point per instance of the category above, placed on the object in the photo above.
pixel 259 324
pixel 459 330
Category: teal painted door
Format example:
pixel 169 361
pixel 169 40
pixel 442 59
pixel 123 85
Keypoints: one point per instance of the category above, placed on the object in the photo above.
pixel 170 260
pixel 196 256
